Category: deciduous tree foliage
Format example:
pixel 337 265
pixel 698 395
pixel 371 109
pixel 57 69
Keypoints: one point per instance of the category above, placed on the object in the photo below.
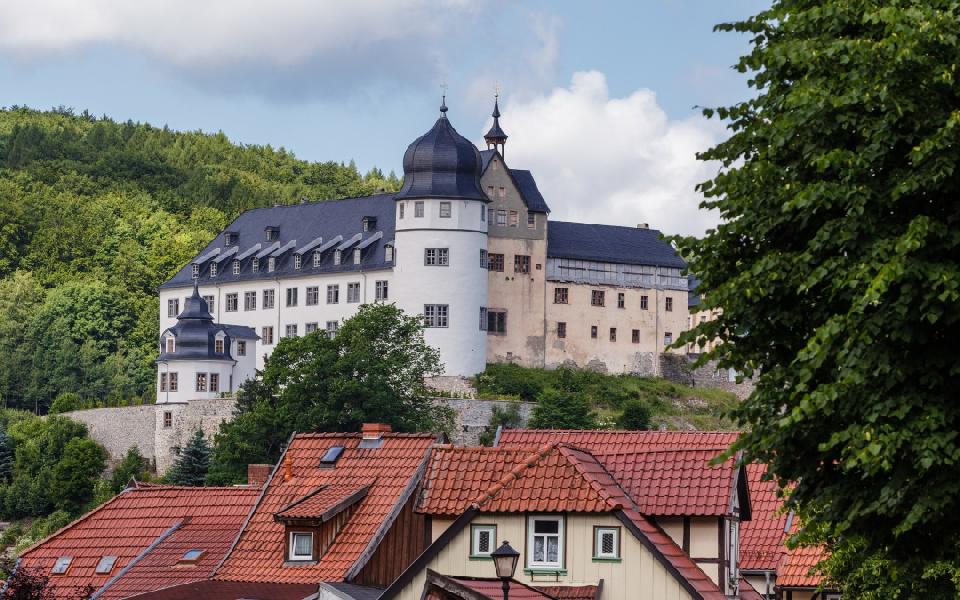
pixel 836 268
pixel 94 215
pixel 371 371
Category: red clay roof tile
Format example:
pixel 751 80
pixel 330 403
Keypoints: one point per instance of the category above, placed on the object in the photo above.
pixel 325 499
pixel 797 568
pixel 762 538
pixel 570 592
pixel 259 552
pixel 493 589
pixel 176 519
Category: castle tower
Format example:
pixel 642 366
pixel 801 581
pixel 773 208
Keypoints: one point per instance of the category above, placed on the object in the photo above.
pixel 200 359
pixel 496 138
pixel 441 245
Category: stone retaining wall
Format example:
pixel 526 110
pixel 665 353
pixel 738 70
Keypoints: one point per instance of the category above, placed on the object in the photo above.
pixel 473 417
pixel 119 428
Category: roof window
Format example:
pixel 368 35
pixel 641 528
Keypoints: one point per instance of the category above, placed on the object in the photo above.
pixel 60 567
pixel 271 234
pixel 106 564
pixel 331 457
pixel 190 557
pixel 369 223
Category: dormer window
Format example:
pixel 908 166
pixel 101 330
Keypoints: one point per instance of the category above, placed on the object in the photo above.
pixel 236 267
pixel 229 238
pixel 388 253
pixel 255 265
pixel 213 269
pixel 356 256
pixel 271 233
pixel 337 256
pixel 297 261
pixel 369 223
pixel 301 545
pixel 218 345
pixel 317 257
pixel 171 344
pixel 271 264
pixel 196 270
pixel 60 567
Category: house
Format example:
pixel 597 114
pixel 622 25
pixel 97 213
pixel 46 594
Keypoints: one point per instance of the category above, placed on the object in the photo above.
pixel 572 521
pixel 144 538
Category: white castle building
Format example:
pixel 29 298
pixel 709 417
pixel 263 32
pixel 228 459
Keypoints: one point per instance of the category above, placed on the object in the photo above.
pixel 466 242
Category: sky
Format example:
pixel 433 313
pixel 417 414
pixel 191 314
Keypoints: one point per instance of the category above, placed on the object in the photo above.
pixel 599 97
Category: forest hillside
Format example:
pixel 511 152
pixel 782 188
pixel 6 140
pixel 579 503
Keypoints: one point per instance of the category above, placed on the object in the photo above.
pixel 94 215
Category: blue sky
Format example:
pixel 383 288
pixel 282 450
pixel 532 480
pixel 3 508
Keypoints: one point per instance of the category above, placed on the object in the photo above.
pixel 598 97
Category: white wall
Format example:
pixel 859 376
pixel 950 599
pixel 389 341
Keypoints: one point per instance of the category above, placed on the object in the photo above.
pixel 462 285
pixel 187 370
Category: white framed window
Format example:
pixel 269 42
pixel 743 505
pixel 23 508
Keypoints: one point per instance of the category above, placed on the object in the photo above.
pixel 255 265
pixel 174 385
pixel 232 300
pixel 501 217
pixel 531 220
pixel 337 256
pixel 436 257
pixel 388 253
pixel 173 307
pixel 418 208
pixel 353 292
pixel 291 330
pixel 297 261
pixel 249 301
pixel 213 269
pixel 291 296
pixel 606 543
pixel 309 328
pixel 218 345
pixel 483 540
pixel 214 382
pixel 106 564
pixel 332 328
pixel 209 301
pixel 382 291
pixel 301 545
pixel 171 344
pixel 163 382
pixel 268 298
pixel 667 338
pixel 436 315
pixel 241 347
pixel 545 542
pixel 196 270
pixel 236 267
pixel 514 218
pixel 333 294
pixel 201 382
pixel 313 295
pixel 271 264
pixel 167 419
pixel 266 334
pixel 483 259
pixel 445 210
pixel 401 209
pixel 316 259
pixel 356 256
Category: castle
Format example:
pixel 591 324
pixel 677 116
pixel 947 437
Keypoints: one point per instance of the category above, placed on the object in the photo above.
pixel 467 242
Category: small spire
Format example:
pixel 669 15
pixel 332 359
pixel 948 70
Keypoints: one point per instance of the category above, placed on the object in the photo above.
pixel 443 103
pixel 496 138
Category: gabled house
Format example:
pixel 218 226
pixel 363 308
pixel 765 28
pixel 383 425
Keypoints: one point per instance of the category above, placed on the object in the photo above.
pixel 576 528
pixel 143 539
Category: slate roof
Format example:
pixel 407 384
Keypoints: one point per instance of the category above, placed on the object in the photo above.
pixel 693 297
pixel 526 184
pixel 195 333
pixel 442 164
pixel 148 529
pixel 796 568
pixel 762 538
pixel 302 223
pixel 672 482
pixel 259 551
pixel 610 243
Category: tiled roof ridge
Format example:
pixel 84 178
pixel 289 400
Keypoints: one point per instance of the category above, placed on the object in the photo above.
pixel 514 474
pixel 357 434
pixel 485 449
pixel 634 431
pixel 615 503
pixel 660 450
pixel 350 484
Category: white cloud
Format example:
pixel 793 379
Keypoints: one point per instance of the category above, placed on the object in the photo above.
pixel 620 161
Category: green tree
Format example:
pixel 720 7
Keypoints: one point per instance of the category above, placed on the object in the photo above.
pixel 635 415
pixel 6 456
pixel 75 474
pixel 133 465
pixel 506 418
pixel 556 409
pixel 372 370
pixel 836 270
pixel 66 402
pixel 193 462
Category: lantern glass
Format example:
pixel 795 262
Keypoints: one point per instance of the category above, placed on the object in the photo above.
pixel 505 560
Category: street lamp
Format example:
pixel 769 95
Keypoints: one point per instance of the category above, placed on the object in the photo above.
pixel 505 561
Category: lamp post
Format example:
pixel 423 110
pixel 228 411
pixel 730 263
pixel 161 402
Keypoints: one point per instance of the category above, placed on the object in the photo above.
pixel 505 561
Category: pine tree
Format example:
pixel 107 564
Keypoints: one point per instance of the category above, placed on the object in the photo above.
pixel 6 456
pixel 193 463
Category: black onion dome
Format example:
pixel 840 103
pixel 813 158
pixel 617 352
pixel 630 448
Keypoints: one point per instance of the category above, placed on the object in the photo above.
pixel 194 333
pixel 441 164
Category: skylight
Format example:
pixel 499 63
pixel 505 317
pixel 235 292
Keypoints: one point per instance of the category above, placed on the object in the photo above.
pixel 332 455
pixel 192 556
pixel 60 567
pixel 106 564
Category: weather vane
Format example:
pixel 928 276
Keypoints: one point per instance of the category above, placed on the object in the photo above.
pixel 496 89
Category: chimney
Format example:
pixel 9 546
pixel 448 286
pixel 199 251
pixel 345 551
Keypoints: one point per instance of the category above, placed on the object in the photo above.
pixel 374 431
pixel 257 475
pixel 287 468
pixel 643 225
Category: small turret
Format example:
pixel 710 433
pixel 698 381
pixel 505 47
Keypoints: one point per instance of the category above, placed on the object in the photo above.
pixel 496 138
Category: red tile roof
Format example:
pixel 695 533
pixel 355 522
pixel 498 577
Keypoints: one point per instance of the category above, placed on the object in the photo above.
pixel 797 568
pixel 157 524
pixel 611 442
pixel 493 589
pixel 259 552
pixel 325 501
pixel 570 592
pixel 762 538
pixel 457 475
pixel 748 592
pixel 671 482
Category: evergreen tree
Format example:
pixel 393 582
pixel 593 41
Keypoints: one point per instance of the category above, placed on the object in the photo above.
pixel 6 456
pixel 507 418
pixel 558 409
pixel 192 463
